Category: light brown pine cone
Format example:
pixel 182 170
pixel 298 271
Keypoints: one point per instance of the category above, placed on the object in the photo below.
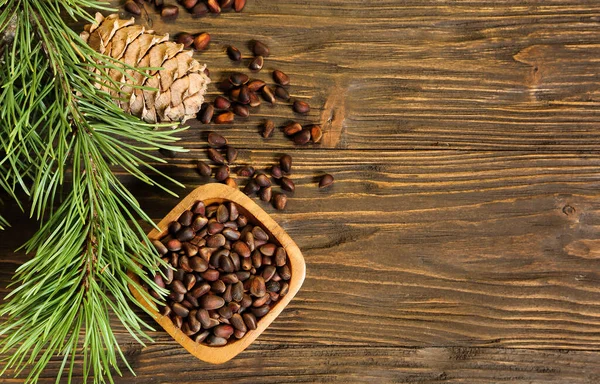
pixel 178 88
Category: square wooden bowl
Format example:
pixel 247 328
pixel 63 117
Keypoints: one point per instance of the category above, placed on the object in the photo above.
pixel 219 193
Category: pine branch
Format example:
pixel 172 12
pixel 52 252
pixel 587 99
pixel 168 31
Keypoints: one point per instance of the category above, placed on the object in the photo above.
pixel 74 281
pixel 54 123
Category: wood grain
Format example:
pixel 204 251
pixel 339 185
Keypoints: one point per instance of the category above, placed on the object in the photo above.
pixel 421 74
pixel 435 248
pixel 166 364
pixel 440 248
pixel 459 242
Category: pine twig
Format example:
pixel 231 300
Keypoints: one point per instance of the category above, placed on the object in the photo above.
pixel 77 277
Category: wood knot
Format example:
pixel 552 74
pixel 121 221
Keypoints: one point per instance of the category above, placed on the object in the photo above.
pixel 333 117
pixel 568 210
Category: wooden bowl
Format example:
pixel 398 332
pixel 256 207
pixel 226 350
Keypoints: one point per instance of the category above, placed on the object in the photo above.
pixel 218 193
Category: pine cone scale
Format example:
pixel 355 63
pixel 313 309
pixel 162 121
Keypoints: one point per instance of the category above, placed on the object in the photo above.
pixel 122 39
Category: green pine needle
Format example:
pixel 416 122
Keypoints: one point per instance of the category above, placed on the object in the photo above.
pixel 60 138
pixel 3 223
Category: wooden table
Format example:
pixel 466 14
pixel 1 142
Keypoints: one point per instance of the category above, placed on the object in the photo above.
pixel 460 242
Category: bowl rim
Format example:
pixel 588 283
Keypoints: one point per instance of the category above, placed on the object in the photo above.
pixel 209 194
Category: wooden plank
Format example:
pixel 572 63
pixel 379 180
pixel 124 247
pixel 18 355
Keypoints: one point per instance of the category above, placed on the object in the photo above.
pixel 472 259
pixel 167 363
pixel 401 75
pixel 432 248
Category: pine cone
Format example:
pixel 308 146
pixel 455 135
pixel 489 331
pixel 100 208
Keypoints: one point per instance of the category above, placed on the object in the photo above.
pixel 178 88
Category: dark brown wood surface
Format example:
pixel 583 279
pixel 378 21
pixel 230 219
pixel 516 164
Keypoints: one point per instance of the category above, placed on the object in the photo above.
pixel 461 240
